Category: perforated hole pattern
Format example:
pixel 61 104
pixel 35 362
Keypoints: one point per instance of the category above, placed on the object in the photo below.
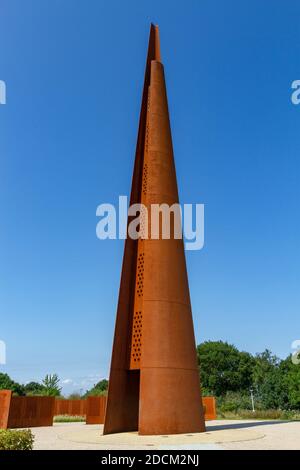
pixel 143 221
pixel 145 179
pixel 137 336
pixel 140 275
pixel 147 138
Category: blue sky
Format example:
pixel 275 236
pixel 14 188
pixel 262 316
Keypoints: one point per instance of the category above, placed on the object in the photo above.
pixel 74 73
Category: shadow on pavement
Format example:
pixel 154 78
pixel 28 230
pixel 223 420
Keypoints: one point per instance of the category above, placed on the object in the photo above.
pixel 244 425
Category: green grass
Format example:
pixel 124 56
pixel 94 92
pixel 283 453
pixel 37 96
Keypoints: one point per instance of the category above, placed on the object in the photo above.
pixel 260 414
pixel 68 419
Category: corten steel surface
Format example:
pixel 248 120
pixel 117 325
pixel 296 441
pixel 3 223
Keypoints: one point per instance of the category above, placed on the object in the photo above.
pixel 95 410
pixel 209 406
pixel 5 398
pixel 31 412
pixel 70 407
pixel 154 382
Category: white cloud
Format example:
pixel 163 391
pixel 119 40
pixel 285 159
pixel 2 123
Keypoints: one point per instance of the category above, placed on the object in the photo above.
pixel 67 381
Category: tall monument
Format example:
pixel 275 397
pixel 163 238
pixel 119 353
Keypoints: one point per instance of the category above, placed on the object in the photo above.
pixel 154 382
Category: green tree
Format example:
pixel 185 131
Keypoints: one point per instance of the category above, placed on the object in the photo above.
pixel 51 385
pixel 291 382
pixel 99 389
pixel 34 388
pixel 6 383
pixel 272 392
pixel 224 368
pixel 265 363
pixel 269 381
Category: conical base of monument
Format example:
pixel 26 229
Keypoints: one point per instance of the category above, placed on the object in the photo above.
pixel 172 406
pixel 156 401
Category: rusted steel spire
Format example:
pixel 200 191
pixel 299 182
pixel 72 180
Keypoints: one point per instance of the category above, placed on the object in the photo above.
pixel 157 44
pixel 154 379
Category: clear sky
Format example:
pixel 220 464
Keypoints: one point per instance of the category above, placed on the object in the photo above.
pixel 74 74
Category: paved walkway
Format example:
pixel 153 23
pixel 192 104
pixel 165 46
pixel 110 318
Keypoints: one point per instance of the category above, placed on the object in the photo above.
pixel 221 434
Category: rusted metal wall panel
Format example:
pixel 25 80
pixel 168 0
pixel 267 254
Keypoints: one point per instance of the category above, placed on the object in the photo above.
pixel 61 407
pixel 209 406
pixel 5 398
pixel 78 407
pixel 27 412
pixel 70 407
pixel 95 410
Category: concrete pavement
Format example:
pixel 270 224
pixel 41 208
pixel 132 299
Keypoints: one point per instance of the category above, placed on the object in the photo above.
pixel 221 434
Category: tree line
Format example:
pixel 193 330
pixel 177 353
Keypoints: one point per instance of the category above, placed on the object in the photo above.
pixel 49 386
pixel 226 373
pixel 230 375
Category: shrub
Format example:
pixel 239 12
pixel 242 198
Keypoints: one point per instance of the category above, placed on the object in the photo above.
pixel 233 401
pixel 16 440
pixel 74 396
